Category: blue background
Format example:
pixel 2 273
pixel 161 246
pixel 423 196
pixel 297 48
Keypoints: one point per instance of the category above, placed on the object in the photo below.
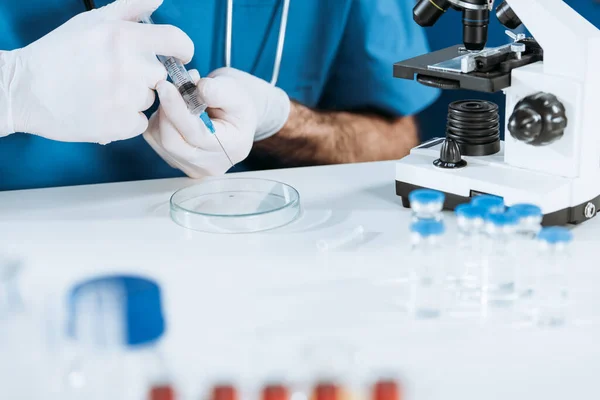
pixel 448 32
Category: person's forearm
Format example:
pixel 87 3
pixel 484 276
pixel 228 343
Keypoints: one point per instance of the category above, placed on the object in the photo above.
pixel 319 138
pixel 6 70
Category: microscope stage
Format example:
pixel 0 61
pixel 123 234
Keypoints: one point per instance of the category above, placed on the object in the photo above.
pixel 487 82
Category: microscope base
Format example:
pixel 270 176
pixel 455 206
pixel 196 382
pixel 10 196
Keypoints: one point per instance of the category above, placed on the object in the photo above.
pixel 562 199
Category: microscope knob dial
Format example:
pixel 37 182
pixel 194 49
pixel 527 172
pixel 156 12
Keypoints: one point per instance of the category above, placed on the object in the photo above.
pixel 450 157
pixel 538 120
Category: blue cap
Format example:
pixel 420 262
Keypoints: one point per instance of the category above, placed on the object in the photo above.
pixel 556 234
pixel 526 210
pixel 502 219
pixel 428 227
pixel 470 211
pixel 141 302
pixel 426 196
pixel 488 202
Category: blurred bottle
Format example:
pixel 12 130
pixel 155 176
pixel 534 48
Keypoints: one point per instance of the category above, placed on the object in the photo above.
pixel 275 391
pixel 224 391
pixel 116 323
pixel 550 287
pixel 327 391
pixel 387 390
pixel 491 204
pixel 22 348
pixel 530 223
pixel 427 274
pixel 426 204
pixel 499 268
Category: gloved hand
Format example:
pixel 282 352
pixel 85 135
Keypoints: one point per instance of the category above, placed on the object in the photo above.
pixel 89 80
pixel 272 105
pixel 183 140
pixel 243 109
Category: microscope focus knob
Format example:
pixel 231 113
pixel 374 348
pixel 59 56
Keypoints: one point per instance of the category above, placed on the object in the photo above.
pixel 450 157
pixel 538 120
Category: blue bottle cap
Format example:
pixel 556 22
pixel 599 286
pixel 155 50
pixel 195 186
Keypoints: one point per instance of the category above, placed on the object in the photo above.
pixel 526 210
pixel 555 235
pixel 490 203
pixel 502 219
pixel 469 211
pixel 140 299
pixel 426 196
pixel 428 227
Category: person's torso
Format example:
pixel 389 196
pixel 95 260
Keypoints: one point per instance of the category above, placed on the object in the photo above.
pixel 314 31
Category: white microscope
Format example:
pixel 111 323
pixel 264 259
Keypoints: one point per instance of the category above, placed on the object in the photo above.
pixel 551 153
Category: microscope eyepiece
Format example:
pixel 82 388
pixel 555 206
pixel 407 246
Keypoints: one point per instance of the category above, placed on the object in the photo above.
pixel 427 12
pixel 507 16
pixel 475 28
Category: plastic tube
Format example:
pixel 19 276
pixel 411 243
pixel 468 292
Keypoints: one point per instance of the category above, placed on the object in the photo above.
pixel 341 239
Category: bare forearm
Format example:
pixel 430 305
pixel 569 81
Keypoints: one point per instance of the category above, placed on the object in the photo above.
pixel 319 138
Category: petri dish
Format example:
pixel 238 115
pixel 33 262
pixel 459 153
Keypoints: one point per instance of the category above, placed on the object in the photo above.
pixel 235 205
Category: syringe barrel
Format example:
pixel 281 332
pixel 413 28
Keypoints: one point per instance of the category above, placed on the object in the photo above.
pixel 181 79
pixel 184 83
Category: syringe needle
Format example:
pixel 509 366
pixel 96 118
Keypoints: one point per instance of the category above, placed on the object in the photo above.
pixel 223 148
pixel 208 123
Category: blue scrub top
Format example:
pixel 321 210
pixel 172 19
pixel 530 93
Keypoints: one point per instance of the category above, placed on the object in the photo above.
pixel 338 56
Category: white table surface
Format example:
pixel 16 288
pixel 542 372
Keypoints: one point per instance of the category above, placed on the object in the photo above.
pixel 225 288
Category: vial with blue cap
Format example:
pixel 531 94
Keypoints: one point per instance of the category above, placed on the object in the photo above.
pixel 427 269
pixel 469 250
pixel 499 269
pixel 530 223
pixel 426 204
pixel 550 288
pixel 492 204
pixel 115 324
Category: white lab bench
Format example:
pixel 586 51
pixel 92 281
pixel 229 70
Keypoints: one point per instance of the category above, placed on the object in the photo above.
pixel 278 283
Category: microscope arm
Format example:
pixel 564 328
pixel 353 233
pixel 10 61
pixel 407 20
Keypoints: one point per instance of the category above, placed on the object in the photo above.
pixel 561 31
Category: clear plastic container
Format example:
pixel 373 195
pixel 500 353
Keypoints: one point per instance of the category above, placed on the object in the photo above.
pixel 115 323
pixel 466 276
pixel 550 287
pixel 235 205
pixel 427 275
pixel 530 224
pixel 499 269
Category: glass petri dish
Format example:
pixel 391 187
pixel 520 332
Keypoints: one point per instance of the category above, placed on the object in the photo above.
pixel 235 205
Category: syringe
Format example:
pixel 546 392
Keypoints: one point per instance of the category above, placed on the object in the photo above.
pixel 183 82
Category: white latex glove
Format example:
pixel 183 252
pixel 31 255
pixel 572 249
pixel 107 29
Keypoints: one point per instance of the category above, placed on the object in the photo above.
pixel 243 109
pixel 183 140
pixel 89 80
pixel 272 105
